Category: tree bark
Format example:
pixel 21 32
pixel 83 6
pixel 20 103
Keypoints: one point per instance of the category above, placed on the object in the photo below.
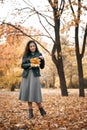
pixel 53 80
pixel 62 77
pixel 57 59
pixel 79 64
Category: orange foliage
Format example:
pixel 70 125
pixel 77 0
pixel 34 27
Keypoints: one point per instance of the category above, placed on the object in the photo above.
pixel 63 113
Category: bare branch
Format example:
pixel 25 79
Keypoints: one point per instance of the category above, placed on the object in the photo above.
pixel 45 28
pixel 23 8
pixel 51 3
pixel 84 7
pixel 25 34
pixel 79 9
pixel 45 19
pixel 72 8
pixel 20 34
pixel 62 6
pixel 27 2
pixel 30 15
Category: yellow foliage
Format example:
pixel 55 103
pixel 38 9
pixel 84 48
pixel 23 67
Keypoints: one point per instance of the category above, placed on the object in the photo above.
pixel 35 61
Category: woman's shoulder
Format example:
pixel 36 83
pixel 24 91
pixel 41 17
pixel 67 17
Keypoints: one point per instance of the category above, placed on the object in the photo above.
pixel 26 57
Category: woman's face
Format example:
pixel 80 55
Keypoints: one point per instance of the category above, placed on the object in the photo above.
pixel 32 47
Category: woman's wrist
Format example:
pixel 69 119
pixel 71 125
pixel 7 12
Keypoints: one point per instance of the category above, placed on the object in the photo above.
pixel 41 57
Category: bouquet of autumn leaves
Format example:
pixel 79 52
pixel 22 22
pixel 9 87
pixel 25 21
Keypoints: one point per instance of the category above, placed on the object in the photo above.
pixel 35 62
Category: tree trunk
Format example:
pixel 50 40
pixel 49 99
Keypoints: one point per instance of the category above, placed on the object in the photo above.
pixel 53 80
pixel 60 70
pixel 79 64
pixel 57 55
pixel 81 78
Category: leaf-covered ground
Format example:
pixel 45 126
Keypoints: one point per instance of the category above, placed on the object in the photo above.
pixel 63 113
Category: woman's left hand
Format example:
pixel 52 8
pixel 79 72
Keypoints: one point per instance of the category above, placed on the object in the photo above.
pixel 41 57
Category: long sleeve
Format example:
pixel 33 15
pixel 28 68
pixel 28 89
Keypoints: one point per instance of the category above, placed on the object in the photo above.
pixel 42 64
pixel 25 63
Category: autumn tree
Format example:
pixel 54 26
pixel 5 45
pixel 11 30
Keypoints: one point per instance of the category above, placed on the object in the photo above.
pixel 79 55
pixel 56 51
pixel 11 51
pixel 11 55
pixel 57 9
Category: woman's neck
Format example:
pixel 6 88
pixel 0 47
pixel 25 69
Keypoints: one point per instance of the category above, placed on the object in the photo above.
pixel 32 53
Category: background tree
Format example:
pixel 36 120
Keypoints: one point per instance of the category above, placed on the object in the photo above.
pixel 11 51
pixel 56 51
pixel 79 55
pixel 11 55
pixel 48 18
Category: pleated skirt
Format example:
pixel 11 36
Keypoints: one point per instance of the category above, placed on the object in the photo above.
pixel 30 89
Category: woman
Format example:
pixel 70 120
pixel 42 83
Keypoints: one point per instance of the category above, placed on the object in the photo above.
pixel 30 89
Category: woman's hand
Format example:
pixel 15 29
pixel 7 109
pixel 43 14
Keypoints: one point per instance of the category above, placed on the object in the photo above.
pixel 34 65
pixel 41 57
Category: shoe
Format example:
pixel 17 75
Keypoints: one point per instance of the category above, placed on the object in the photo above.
pixel 42 111
pixel 31 113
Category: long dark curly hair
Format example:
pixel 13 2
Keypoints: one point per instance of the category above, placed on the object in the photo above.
pixel 27 50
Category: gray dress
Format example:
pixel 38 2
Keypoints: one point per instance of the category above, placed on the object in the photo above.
pixel 30 88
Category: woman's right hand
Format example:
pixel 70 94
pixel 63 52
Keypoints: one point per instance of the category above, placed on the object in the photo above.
pixel 33 65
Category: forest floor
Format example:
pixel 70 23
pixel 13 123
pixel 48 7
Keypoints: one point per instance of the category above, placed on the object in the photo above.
pixel 63 113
